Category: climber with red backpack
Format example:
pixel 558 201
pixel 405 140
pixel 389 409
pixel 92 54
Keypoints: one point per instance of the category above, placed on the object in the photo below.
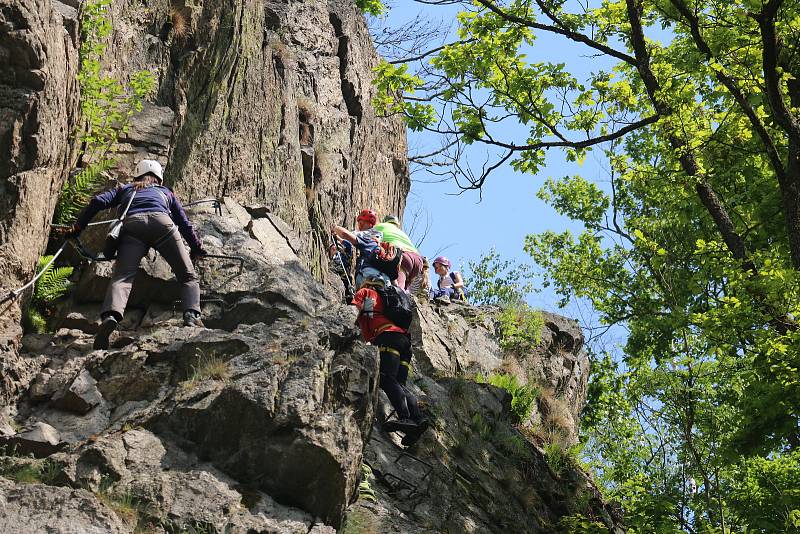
pixel 451 284
pixel 385 317
pixel 410 264
pixel 150 216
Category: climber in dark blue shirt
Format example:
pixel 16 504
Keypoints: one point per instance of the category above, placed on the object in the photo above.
pixel 154 218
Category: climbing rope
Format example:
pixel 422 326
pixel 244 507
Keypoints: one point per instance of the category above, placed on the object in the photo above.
pixel 340 251
pixel 96 223
pixel 16 292
pixel 217 203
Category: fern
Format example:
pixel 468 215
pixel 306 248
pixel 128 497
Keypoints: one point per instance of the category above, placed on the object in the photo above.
pixel 54 283
pixel 365 490
pixel 78 189
pixel 33 321
pixel 520 327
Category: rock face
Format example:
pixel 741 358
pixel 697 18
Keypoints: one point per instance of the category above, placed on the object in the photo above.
pixel 266 102
pixel 461 340
pixel 272 403
pixel 477 469
pixel 266 419
pixel 38 113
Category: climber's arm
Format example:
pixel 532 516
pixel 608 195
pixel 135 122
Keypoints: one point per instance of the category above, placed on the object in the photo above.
pixel 99 203
pixel 184 226
pixel 344 233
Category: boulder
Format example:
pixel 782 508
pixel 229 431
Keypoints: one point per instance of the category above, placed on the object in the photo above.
pixel 36 343
pixel 40 508
pixel 39 439
pixel 81 396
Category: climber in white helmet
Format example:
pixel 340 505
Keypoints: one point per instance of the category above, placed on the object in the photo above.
pixel 154 218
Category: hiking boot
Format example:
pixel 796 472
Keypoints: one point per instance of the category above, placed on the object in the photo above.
pixel 444 299
pixel 192 318
pixel 404 425
pixel 411 437
pixel 108 325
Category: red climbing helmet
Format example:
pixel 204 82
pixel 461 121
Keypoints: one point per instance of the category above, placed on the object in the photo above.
pixel 441 260
pixel 368 216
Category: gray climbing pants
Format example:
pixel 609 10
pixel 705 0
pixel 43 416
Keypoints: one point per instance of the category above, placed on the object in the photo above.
pixel 140 232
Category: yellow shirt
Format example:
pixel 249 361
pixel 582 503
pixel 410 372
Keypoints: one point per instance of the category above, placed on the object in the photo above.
pixel 395 236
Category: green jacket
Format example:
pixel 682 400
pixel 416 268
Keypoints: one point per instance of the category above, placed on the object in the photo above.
pixel 395 236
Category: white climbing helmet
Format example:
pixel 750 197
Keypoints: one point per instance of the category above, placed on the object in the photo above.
pixel 149 165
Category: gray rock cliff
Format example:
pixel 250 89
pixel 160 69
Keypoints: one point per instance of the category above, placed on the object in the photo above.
pixel 266 102
pixel 38 113
pixel 273 400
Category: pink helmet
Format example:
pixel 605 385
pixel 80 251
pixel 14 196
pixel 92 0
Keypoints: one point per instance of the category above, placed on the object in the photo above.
pixel 442 261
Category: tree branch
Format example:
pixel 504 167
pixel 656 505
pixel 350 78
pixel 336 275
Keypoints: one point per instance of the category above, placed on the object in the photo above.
pixel 733 88
pixel 560 30
pixel 427 53
pixel 784 117
pixel 687 160
pixel 562 144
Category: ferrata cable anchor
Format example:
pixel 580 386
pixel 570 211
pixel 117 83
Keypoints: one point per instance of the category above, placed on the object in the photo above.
pixel 215 202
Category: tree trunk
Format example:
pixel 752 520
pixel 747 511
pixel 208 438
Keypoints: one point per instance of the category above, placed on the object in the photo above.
pixel 790 191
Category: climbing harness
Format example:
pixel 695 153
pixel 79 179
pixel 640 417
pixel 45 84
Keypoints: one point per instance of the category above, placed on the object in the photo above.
pixel 390 350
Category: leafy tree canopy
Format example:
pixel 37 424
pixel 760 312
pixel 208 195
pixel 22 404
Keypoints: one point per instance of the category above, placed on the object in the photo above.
pixel 693 244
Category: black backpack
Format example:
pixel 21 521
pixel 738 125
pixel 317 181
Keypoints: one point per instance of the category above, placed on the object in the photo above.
pixel 386 258
pixel 461 293
pixel 397 305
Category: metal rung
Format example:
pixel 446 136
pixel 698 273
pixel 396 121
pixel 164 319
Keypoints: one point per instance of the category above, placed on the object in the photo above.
pixel 423 462
pixel 403 484
pixel 219 301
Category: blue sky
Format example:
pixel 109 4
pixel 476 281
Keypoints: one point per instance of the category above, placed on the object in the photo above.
pixel 509 209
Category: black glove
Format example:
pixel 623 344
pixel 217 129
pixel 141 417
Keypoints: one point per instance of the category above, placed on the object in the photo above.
pixel 198 253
